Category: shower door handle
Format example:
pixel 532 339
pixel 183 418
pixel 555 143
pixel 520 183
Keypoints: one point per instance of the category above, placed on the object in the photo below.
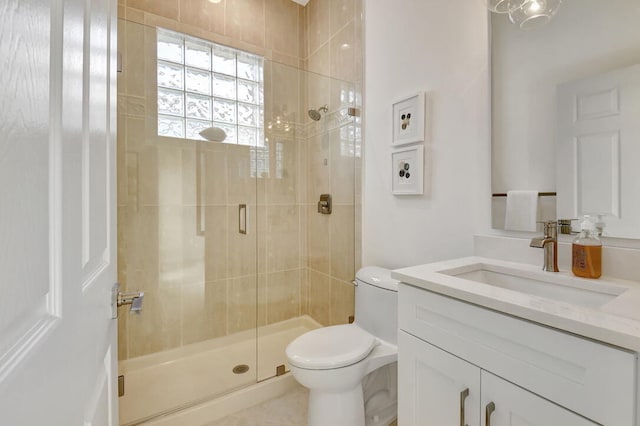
pixel 242 218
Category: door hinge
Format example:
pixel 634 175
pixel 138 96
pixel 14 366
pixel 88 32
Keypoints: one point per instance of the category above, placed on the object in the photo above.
pixel 121 385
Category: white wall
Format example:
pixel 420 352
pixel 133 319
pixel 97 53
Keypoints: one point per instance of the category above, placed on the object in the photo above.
pixel 441 47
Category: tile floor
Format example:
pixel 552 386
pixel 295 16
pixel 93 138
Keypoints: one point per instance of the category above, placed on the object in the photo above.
pixel 288 410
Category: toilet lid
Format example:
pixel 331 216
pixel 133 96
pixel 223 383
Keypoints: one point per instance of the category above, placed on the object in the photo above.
pixel 330 347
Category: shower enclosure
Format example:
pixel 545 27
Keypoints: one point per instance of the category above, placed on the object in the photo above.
pixel 225 239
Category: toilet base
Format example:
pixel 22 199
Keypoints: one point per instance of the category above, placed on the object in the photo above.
pixel 336 409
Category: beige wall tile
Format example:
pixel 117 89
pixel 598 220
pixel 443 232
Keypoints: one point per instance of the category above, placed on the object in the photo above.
pixel 320 63
pixel 203 14
pixel 320 297
pixel 123 347
pixel 303 170
pixel 261 238
pixel 319 178
pixel 343 54
pixel 213 170
pixel 180 248
pixel 135 15
pixel 282 184
pixel 283 295
pixel 123 246
pixel 319 256
pixel 141 229
pixel 216 246
pixel 282 238
pixel 303 44
pixel 304 291
pixel 262 301
pixel 159 328
pixel 318 27
pixel 341 12
pixel 134 59
pixel 204 310
pixel 165 8
pixel 241 187
pixel 303 248
pixel 343 94
pixel 359 46
pixel 156 21
pixel 342 243
pixel 285 93
pixel 176 176
pixel 241 304
pixel 342 164
pixel 358 237
pixel 245 21
pixel 281 24
pixel 121 160
pixel 242 248
pixel 342 301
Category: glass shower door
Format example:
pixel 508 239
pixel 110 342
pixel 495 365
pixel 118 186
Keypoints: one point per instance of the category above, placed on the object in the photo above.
pixel 187 232
pixel 305 258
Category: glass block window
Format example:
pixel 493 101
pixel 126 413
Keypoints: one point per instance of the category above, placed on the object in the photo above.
pixel 203 84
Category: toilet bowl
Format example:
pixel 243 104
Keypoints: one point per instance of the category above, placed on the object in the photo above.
pixel 333 361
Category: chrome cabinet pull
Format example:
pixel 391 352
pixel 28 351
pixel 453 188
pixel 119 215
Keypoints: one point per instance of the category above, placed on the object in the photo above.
pixel 463 396
pixel 242 218
pixel 491 407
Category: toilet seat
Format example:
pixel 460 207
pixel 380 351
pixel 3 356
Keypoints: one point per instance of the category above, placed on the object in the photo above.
pixel 330 347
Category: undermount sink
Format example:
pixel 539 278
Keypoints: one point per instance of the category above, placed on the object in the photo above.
pixel 550 285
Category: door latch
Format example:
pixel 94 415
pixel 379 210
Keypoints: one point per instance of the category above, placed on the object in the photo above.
pixel 132 298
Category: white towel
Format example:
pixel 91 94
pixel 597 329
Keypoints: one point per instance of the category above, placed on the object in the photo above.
pixel 522 211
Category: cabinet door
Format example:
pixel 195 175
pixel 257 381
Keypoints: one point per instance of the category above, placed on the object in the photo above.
pixel 435 388
pixel 514 406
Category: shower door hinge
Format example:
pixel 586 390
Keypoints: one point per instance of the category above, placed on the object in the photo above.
pixel 353 112
pixel 280 370
pixel 121 385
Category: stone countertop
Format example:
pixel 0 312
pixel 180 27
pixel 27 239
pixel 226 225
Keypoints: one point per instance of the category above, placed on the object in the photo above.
pixel 616 321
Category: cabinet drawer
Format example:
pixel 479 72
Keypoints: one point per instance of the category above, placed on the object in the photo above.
pixel 593 379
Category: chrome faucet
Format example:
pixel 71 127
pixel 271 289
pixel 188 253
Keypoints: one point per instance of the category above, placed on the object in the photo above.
pixel 549 243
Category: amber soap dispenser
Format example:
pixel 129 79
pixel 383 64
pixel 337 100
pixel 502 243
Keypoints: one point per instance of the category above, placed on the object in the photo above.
pixel 587 252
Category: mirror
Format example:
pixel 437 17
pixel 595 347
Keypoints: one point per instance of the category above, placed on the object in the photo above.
pixel 584 44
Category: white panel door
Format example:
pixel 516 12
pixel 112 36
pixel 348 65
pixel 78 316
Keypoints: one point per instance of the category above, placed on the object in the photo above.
pixel 510 405
pixel 57 213
pixel 599 150
pixel 435 388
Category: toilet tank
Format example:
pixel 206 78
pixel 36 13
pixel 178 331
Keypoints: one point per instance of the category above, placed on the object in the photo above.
pixel 377 303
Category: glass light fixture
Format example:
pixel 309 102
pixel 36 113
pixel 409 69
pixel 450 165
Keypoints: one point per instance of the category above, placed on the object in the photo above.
pixel 504 6
pixel 534 13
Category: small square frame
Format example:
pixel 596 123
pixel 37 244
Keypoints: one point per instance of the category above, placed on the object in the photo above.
pixel 407 161
pixel 409 120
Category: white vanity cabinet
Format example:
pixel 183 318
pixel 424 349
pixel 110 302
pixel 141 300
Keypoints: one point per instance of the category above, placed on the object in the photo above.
pixel 533 375
pixel 439 388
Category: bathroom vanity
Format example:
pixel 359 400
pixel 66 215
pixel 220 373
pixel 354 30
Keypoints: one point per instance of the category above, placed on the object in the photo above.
pixel 484 342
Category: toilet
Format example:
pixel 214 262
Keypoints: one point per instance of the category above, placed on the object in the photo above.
pixel 333 362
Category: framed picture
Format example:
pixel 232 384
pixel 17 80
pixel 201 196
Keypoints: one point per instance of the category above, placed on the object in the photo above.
pixel 408 120
pixel 407 171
